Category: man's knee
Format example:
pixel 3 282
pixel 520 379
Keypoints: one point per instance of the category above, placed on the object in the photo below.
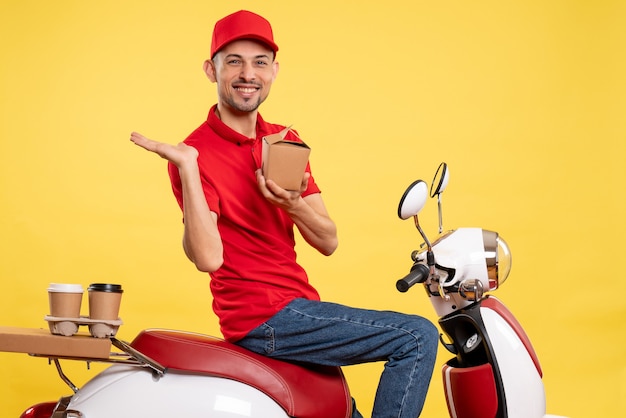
pixel 420 337
pixel 427 335
pixel 432 337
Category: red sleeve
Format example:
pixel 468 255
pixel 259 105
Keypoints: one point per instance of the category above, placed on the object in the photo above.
pixel 177 187
pixel 312 187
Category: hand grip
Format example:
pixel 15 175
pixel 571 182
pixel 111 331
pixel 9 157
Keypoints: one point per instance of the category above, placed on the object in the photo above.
pixel 418 274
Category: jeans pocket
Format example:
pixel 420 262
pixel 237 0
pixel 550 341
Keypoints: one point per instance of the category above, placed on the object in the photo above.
pixel 270 339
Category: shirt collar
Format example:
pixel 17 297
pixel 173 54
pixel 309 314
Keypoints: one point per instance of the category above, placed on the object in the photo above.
pixel 225 132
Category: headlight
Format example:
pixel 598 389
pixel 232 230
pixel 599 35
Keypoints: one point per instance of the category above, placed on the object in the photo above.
pixel 497 257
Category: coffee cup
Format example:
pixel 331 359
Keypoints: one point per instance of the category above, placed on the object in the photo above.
pixel 65 300
pixel 104 301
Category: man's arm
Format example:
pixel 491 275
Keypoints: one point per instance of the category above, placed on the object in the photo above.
pixel 201 238
pixel 315 225
pixel 308 213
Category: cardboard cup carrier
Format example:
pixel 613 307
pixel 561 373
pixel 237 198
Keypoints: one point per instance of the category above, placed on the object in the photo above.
pixel 104 305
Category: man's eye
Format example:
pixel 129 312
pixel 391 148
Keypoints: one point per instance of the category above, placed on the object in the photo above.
pixel 234 62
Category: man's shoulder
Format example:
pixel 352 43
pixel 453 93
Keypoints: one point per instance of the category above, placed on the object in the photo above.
pixel 201 133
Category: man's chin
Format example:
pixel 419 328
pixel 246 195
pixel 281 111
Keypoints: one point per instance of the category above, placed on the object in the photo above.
pixel 247 106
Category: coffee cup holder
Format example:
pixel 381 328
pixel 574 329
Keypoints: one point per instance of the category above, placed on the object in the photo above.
pixel 99 328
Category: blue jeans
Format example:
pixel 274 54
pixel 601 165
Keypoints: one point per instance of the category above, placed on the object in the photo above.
pixel 336 335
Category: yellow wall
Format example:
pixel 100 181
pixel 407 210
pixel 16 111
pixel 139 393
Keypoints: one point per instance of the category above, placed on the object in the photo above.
pixel 524 99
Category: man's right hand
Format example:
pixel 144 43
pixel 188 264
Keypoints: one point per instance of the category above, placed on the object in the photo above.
pixel 179 155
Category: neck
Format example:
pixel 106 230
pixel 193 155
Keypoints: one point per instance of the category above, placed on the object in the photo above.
pixel 241 122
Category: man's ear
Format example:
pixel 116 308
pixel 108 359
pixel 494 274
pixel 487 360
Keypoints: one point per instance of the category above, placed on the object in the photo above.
pixel 209 70
pixel 276 68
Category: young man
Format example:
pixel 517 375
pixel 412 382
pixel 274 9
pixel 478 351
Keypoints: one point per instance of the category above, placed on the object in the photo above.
pixel 238 227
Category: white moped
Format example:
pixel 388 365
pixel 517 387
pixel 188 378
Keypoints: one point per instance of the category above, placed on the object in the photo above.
pixel 494 373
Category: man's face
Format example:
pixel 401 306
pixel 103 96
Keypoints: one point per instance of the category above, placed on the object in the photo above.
pixel 244 71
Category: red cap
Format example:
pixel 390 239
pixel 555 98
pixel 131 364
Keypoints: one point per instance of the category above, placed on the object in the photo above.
pixel 242 25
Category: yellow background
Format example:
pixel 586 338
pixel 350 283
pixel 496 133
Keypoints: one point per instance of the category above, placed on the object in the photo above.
pixel 524 100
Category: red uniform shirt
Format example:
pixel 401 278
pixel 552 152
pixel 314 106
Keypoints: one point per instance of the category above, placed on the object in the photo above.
pixel 260 274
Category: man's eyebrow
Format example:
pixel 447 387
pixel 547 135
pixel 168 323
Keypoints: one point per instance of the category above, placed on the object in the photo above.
pixel 233 55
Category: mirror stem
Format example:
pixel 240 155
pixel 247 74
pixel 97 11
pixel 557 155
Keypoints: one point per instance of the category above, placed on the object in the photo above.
pixel 430 260
pixel 419 228
pixel 440 215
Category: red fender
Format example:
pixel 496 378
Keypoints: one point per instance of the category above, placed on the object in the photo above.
pixel 470 392
pixel 41 410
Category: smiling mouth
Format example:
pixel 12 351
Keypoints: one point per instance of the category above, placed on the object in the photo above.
pixel 247 90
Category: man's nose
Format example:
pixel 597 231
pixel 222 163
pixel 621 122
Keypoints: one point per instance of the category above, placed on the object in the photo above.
pixel 247 72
